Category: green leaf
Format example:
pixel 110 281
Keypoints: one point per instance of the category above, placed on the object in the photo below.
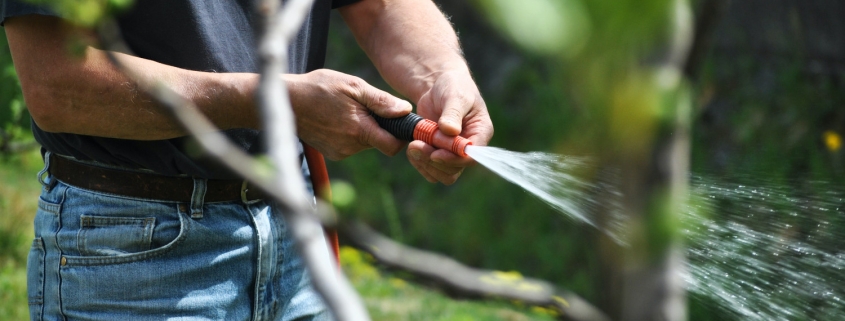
pixel 543 26
pixel 343 194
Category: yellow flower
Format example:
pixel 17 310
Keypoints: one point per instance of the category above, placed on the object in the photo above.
pixel 832 140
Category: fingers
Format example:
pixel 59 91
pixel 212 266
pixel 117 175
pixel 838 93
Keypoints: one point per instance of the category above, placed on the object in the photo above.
pixel 378 101
pixel 446 157
pixel 479 127
pixel 375 136
pixel 385 105
pixel 433 170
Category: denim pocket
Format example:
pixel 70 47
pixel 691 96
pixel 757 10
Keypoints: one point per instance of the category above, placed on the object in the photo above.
pixel 35 279
pixel 107 236
pixel 107 253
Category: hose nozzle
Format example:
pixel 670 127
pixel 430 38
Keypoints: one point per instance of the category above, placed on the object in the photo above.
pixel 413 127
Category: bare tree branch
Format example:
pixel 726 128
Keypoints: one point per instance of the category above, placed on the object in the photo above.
pixel 463 281
pixel 277 113
pixel 281 27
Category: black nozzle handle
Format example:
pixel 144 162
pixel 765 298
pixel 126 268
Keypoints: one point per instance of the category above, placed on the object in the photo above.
pixel 401 127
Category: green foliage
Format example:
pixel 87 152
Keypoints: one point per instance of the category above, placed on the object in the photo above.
pixel 636 95
pixel 18 201
pixel 14 118
pixel 343 194
pixel 775 122
pixel 13 302
pixel 86 13
pixel 544 26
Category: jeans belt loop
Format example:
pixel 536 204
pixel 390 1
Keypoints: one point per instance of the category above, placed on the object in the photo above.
pixel 244 198
pixel 198 197
pixel 44 174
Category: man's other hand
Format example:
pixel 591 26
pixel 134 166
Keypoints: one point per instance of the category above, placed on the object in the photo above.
pixel 455 103
pixel 333 113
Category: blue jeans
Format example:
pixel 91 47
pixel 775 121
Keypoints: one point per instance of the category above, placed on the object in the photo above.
pixel 107 257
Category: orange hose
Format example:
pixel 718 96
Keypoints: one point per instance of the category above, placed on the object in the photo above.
pixel 429 132
pixel 322 189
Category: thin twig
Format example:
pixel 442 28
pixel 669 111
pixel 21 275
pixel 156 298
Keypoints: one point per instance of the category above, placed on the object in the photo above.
pixel 281 27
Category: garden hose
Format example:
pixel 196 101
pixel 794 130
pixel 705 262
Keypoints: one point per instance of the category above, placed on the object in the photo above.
pixel 413 127
pixel 322 189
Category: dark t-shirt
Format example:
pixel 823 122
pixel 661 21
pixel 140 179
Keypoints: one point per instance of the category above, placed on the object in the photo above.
pixel 201 35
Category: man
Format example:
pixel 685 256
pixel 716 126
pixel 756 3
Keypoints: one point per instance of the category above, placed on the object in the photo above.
pixel 133 223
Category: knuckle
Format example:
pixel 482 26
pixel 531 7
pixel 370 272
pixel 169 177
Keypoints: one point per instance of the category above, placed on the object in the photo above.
pixel 355 83
pixel 453 112
pixel 379 98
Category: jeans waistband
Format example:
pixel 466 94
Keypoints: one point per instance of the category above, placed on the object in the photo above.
pixel 147 185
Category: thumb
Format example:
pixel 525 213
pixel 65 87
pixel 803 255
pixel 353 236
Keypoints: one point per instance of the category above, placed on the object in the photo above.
pixel 382 103
pixel 452 118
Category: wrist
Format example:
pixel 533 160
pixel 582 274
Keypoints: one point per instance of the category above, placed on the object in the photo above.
pixel 229 100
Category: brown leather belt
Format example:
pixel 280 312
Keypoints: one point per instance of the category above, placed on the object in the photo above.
pixel 145 185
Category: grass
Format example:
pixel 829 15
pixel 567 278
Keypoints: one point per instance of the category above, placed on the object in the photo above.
pixel 391 298
pixel 18 194
pixel 387 297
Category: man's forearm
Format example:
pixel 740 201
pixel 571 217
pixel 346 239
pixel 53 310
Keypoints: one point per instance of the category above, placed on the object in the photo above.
pixel 85 93
pixel 410 42
pixel 103 102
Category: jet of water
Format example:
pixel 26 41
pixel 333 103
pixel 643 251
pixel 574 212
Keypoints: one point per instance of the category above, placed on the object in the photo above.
pixel 758 249
pixel 551 177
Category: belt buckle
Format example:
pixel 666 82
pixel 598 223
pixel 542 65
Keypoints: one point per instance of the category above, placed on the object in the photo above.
pixel 244 190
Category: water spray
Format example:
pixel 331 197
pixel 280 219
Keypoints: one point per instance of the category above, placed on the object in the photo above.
pixel 551 177
pixel 413 127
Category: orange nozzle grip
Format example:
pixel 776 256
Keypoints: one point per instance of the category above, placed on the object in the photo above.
pixel 428 131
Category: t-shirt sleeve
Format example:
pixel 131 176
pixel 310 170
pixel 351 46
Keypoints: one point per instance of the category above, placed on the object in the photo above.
pixel 12 8
pixel 340 3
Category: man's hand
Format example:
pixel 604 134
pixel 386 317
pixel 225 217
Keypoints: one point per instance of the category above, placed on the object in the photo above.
pixel 333 113
pixel 455 103
pixel 416 50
